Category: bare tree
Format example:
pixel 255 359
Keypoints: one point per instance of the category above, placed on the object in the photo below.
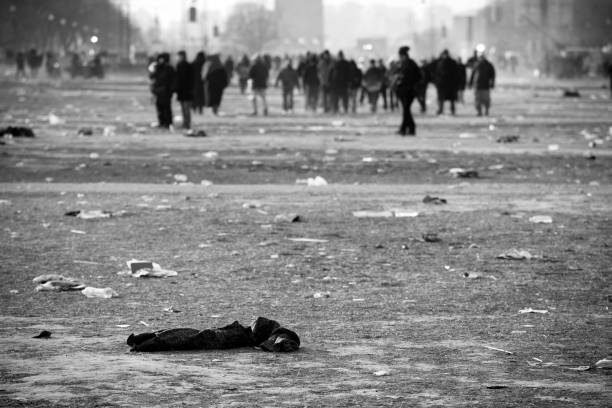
pixel 251 26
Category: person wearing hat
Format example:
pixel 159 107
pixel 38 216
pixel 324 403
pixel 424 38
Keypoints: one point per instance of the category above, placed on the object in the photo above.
pixel 404 81
pixel 482 80
pixel 162 87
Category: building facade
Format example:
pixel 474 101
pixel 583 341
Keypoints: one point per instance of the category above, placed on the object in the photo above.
pixel 300 24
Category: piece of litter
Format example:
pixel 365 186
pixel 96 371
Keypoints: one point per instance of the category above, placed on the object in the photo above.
pixel 372 214
pixel 251 205
pixel 399 213
pixel 144 323
pixel 206 183
pixel 431 237
pixel 171 310
pixel 604 363
pixel 496 387
pixel 508 139
pixel 541 219
pixel 78 232
pixel 381 373
pixel 181 178
pixel 319 295
pixel 316 182
pixel 86 262
pixel 89 215
pixel 516 255
pixel 55 120
pixel 463 173
pixel 211 155
pixel 122 326
pixel 309 240
pixel 147 269
pixel 467 135
pixel 45 334
pixel 498 349
pixel 288 218
pixel 530 310
pixel 94 156
pixel 13 291
pixel 553 148
pixel 103 293
pixel 434 200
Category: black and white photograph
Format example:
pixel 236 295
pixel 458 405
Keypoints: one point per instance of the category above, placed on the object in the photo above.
pixel 305 203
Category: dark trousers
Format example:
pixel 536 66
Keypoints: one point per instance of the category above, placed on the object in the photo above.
pixel 441 106
pixel 383 93
pixel 163 103
pixel 373 99
pixel 326 98
pixel 287 100
pixel 312 96
pixel 408 125
pixel 186 111
pixel 340 95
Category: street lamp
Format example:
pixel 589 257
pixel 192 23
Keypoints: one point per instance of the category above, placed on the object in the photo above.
pixel 94 39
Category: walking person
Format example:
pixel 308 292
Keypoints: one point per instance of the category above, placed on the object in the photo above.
pixel 324 69
pixel 446 81
pixel 405 79
pixel 355 85
pixel 340 80
pixel 215 82
pixel 162 88
pixel 198 82
pixel 461 80
pixel 184 87
pixel 229 69
pixel 21 62
pixel 289 79
pixel 242 69
pixel 259 74
pixel 311 83
pixel 385 85
pixel 482 80
pixel 373 84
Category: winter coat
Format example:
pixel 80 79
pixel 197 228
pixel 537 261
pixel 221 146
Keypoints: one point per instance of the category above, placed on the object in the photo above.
pixel 461 76
pixel 341 75
pixel 373 79
pixel 483 76
pixel 259 75
pixel 406 77
pixel 289 79
pixel 215 83
pixel 446 79
pixel 198 83
pixel 324 71
pixel 184 85
pixel 311 75
pixel 163 81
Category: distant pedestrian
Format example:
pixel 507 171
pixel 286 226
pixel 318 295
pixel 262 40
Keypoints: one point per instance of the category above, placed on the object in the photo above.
pixel 242 69
pixel 427 77
pixel 162 88
pixel 405 79
pixel 373 84
pixel 446 81
pixel 229 69
pixel 21 62
pixel 259 74
pixel 482 80
pixel 215 82
pixel 325 66
pixel 461 80
pixel 310 80
pixel 340 81
pixel 34 60
pixel 355 86
pixel 184 87
pixel 289 80
pixel 609 72
pixel 385 84
pixel 198 82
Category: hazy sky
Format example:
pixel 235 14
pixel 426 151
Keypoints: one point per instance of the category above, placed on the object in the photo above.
pixel 170 10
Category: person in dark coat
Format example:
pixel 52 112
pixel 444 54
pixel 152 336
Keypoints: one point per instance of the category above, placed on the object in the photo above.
pixel 355 86
pixel 311 82
pixel 242 69
pixel 482 80
pixel 21 62
pixel 340 81
pixel 259 74
pixel 385 84
pixel 229 66
pixel 325 66
pixel 373 84
pixel 427 71
pixel 446 81
pixel 393 102
pixel 198 82
pixel 404 82
pixel 162 88
pixel 289 79
pixel 184 87
pixel 215 82
pixel 461 80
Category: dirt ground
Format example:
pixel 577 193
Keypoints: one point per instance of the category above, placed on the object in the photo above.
pixel 385 318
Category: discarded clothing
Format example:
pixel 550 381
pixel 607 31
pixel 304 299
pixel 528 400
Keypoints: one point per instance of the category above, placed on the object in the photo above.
pixel 263 333
pixel 57 283
pixel 434 200
pixel 17 131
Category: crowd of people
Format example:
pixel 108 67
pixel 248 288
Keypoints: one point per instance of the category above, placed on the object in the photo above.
pixel 330 83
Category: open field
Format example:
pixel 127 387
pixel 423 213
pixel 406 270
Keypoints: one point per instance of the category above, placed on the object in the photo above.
pixel 391 303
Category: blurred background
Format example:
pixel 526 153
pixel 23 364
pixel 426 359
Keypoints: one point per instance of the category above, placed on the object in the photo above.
pixel 560 38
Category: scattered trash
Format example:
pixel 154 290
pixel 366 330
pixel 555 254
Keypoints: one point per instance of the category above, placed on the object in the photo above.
pixel 369 160
pixel 85 132
pixel 55 120
pixel 181 178
pixel 530 310
pixel 266 334
pixel 498 349
pixel 434 200
pixel 212 155
pixel 17 131
pixel 467 135
pixel 463 173
pixel 206 183
pixel 109 131
pixel 288 218
pixel 309 240
pixel 319 295
pixel 497 387
pixel 13 291
pixel 381 373
pixel 89 215
pixel 472 275
pixel 45 334
pixel 171 309
pixel 508 139
pixel 5 202
pixel 196 133
pixel 122 326
pixel 541 219
pixel 316 182
pixel 79 232
pixel 60 286
pixel 570 93
pixel 251 205
pixel 144 323
pixel 103 293
pixel 431 237
pixel 553 147
pixel 605 363
pixel 496 167
pixel 338 123
pixel 516 255
pixel 147 269
pixel 372 214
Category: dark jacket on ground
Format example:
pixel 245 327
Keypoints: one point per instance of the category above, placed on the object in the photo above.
pixel 259 74
pixel 483 76
pixel 446 79
pixel 184 81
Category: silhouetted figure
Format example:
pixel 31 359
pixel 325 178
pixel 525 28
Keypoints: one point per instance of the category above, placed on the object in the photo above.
pixel 215 82
pixel 355 86
pixel 242 69
pixel 311 82
pixel 427 71
pixel 229 66
pixel 21 63
pixel 325 66
pixel 162 88
pixel 373 83
pixel 446 81
pixel 393 102
pixel 340 80
pixel 34 60
pixel 289 80
pixel 198 82
pixel 405 79
pixel 95 67
pixel 483 80
pixel 184 87
pixel 385 83
pixel 76 65
pixel 259 74
pixel 461 80
pixel 52 66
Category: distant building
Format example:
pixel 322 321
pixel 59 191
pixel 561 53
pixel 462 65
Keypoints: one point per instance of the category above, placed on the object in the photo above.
pixel 536 30
pixel 300 24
